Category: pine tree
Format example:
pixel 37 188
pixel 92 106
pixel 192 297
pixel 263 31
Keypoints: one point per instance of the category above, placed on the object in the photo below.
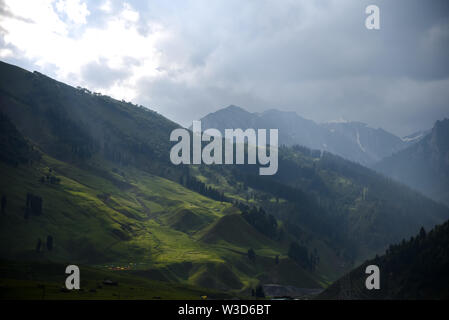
pixel 3 204
pixel 39 244
pixel 259 292
pixel 422 232
pixel 251 254
pixel 49 243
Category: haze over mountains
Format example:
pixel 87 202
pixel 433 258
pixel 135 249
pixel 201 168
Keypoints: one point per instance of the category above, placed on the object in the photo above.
pixel 87 179
pixel 413 269
pixel 354 141
pixel 419 160
pixel 423 166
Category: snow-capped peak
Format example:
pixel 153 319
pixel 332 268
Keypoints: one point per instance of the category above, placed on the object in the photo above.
pixel 341 120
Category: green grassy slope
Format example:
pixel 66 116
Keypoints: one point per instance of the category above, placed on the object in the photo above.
pixel 126 219
pixel 112 200
pixel 116 202
pixel 45 280
pixel 355 210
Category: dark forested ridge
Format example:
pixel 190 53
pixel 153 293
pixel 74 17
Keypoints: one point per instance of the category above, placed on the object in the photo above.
pixel 76 124
pixel 14 148
pixel 342 200
pixel 87 179
pixel 414 269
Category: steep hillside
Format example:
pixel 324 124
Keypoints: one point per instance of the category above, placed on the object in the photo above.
pixel 14 148
pixel 414 269
pixel 322 197
pixel 87 179
pixel 425 165
pixel 75 124
pixel 126 219
pixel 101 191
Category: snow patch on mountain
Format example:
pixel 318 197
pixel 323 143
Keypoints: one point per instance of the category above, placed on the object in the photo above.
pixel 341 120
pixel 358 141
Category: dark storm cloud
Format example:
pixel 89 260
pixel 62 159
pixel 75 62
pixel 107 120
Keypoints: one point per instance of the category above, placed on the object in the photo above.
pixel 316 58
pixel 313 57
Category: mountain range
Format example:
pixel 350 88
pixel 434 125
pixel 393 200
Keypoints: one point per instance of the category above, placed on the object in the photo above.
pixel 87 180
pixel 419 160
pixel 354 141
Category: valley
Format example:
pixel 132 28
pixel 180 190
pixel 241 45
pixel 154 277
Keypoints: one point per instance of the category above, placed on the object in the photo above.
pixel 88 180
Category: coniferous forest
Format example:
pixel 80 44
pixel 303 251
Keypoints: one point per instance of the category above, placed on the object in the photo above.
pixel 88 179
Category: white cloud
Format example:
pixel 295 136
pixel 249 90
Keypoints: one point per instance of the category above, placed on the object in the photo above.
pixel 129 14
pixel 5 52
pixel 186 58
pixel 47 42
pixel 40 12
pixel 75 10
pixel 106 6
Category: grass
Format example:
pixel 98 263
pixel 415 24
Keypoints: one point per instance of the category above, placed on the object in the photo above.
pixel 123 219
pixel 46 281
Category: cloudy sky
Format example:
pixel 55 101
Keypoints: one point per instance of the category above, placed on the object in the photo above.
pixel 185 58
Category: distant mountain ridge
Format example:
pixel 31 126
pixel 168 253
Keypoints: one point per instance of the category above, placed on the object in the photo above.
pixel 416 136
pixel 354 141
pixel 423 166
pixel 108 195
